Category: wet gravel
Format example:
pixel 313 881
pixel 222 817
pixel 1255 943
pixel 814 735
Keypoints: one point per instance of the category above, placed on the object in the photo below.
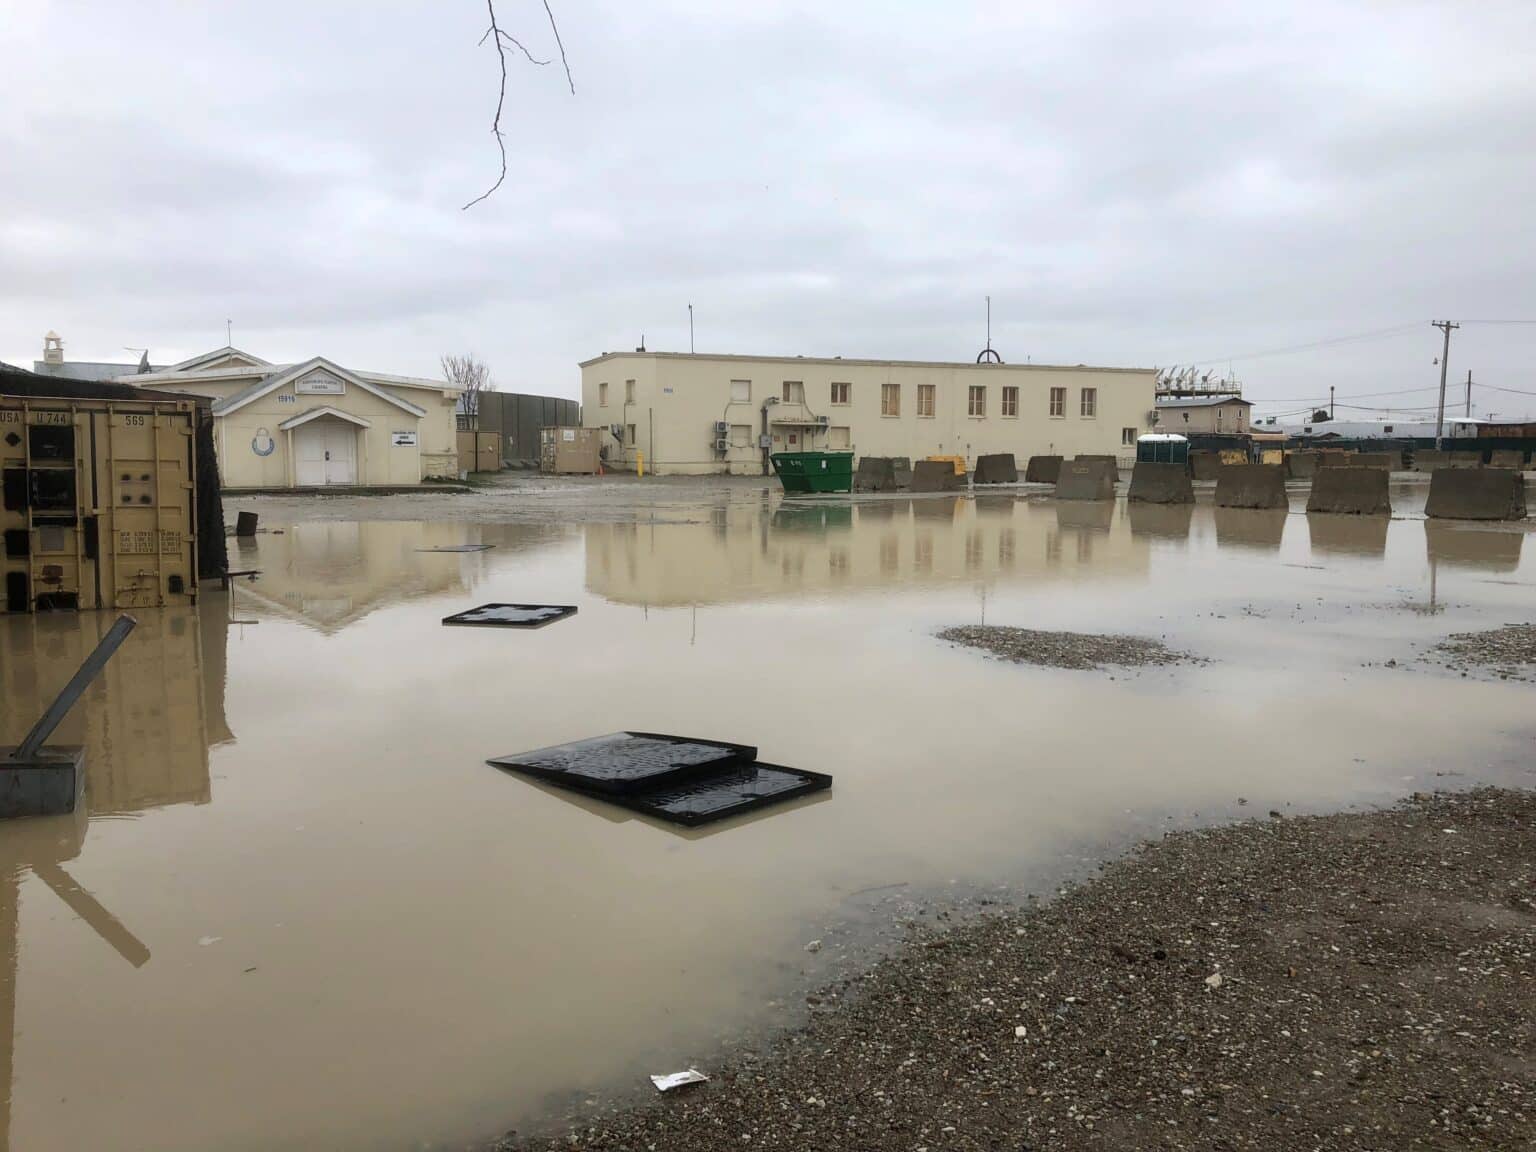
pixel 1508 652
pixel 1079 650
pixel 1357 981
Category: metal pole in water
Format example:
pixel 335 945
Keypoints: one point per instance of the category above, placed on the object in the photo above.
pixel 77 685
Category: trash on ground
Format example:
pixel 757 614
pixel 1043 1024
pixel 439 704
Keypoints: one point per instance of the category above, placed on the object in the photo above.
pixel 512 615
pixel 459 548
pixel 678 1079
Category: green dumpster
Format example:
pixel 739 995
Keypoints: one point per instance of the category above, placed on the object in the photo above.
pixel 814 471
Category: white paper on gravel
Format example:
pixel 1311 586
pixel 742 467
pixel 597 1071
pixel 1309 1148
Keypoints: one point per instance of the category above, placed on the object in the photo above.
pixel 678 1079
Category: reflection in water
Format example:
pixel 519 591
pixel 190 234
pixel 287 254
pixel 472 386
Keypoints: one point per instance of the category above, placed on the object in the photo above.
pixel 1168 520
pixel 1492 549
pixel 942 539
pixel 1349 535
pixel 1250 527
pixel 614 814
pixel 147 724
pixel 329 574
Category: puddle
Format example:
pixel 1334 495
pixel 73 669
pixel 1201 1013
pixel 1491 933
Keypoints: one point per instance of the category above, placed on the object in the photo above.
pixel 303 912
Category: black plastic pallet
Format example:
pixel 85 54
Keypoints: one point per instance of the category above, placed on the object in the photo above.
pixel 459 548
pixel 628 762
pixel 727 793
pixel 511 615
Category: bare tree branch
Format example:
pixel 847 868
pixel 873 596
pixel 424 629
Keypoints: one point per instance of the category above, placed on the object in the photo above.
pixel 501 39
pixel 470 374
pixel 561 45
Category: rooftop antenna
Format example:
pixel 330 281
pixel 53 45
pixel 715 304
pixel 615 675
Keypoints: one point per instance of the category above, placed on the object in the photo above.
pixel 642 343
pixel 229 340
pixel 690 329
pixel 987 355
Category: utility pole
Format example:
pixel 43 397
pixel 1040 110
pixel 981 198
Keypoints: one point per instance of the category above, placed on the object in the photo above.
pixel 690 329
pixel 1469 393
pixel 1445 356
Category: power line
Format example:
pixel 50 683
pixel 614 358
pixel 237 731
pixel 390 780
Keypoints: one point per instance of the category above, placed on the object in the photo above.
pixel 1373 335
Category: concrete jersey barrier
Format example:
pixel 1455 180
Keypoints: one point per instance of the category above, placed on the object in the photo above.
pixel 1507 458
pixel 882 474
pixel 1351 491
pixel 1087 480
pixel 1042 470
pixel 1432 460
pixel 1476 494
pixel 1161 483
pixel 998 468
pixel 1204 464
pixel 1251 486
pixel 1388 460
pixel 936 476
pixel 1301 465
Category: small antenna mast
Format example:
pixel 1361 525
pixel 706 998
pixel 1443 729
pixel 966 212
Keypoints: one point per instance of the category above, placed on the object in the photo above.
pixel 229 327
pixel 987 355
pixel 690 329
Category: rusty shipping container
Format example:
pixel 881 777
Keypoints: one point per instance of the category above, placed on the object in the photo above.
pixel 98 506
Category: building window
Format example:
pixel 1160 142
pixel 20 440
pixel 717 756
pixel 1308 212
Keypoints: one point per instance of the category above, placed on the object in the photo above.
pixel 741 435
pixel 1011 401
pixel 629 391
pixel 1127 436
pixel 602 394
pixel 1387 428
pixel 1058 401
pixel 1089 406
pixel 839 436
pixel 890 399
pixel 794 392
pixel 741 391
pixel 629 435
pixel 925 399
pixel 840 392
pixel 977 404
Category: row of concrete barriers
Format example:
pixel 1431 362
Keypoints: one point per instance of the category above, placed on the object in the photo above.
pixel 1454 494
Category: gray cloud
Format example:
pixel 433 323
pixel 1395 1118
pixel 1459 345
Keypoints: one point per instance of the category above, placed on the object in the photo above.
pixel 1131 184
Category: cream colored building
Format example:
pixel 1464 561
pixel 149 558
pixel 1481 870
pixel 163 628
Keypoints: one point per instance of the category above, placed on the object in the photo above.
pixel 695 414
pixel 311 424
pixel 316 423
pixel 1210 414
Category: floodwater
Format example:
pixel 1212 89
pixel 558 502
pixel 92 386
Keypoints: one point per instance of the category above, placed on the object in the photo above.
pixel 302 912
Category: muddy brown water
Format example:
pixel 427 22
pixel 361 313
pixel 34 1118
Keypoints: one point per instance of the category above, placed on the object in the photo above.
pixel 302 912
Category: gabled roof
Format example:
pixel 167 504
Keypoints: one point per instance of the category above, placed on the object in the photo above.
pixel 323 410
pixel 275 381
pixel 225 353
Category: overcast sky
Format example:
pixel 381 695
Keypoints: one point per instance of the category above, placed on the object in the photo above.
pixel 1132 184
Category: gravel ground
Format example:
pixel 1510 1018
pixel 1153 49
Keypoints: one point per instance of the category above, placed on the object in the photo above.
pixel 1508 652
pixel 1358 981
pixel 1064 649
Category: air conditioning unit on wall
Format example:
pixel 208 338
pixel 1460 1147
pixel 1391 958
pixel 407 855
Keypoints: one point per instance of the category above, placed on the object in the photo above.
pixel 721 428
pixel 823 420
pixel 722 445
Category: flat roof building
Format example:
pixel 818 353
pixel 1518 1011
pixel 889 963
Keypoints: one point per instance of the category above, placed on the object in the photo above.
pixel 689 413
pixel 1213 414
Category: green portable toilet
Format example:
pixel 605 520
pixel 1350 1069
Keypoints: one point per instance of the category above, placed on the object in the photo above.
pixel 1162 448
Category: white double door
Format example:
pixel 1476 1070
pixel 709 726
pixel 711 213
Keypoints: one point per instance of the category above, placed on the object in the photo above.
pixel 325 452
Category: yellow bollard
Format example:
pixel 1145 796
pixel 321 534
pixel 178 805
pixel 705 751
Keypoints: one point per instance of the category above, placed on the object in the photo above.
pixel 639 463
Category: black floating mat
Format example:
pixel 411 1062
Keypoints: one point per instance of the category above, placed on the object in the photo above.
pixel 725 793
pixel 459 548
pixel 512 615
pixel 626 762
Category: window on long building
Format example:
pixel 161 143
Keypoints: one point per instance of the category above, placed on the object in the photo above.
pixel 840 391
pixel 1089 405
pixel 602 394
pixel 890 399
pixel 977 401
pixel 1011 400
pixel 794 392
pixel 1058 401
pixel 741 391
pixel 925 399
pixel 629 391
